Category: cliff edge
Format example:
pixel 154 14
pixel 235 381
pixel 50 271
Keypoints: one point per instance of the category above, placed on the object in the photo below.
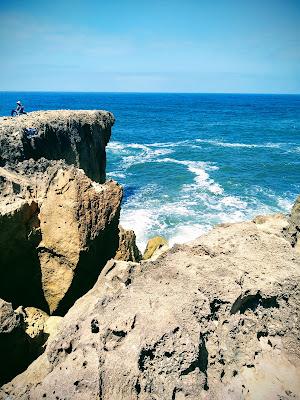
pixel 58 218
pixel 78 137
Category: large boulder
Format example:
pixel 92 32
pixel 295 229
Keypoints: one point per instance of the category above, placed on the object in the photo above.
pixel 58 227
pixel 217 318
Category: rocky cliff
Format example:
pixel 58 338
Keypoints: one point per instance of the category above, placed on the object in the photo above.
pixel 78 137
pixel 217 318
pixel 214 319
pixel 57 226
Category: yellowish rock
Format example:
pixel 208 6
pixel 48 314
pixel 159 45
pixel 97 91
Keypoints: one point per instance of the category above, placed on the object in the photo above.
pixel 155 247
pixel 128 250
pixel 52 324
pixel 34 321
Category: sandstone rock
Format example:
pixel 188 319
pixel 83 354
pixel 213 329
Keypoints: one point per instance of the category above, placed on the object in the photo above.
pixel 56 234
pixel 57 227
pixel 128 250
pixel 52 325
pixel 14 343
pixel 155 247
pixel 34 320
pixel 292 232
pixel 78 137
pixel 274 224
pixel 217 318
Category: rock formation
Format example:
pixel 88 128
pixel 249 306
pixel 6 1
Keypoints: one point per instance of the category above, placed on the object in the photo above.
pixel 78 137
pixel 217 318
pixel 15 344
pixel 127 250
pixel 57 226
pixel 155 247
pixel 292 231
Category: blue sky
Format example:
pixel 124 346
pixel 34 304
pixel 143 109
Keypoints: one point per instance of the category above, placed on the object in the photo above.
pixel 151 46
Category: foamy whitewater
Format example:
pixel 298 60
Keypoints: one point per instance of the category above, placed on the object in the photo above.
pixel 190 161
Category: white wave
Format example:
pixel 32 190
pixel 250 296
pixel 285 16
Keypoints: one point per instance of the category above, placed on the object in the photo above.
pixel 143 221
pixel 285 204
pixel 116 174
pixel 116 147
pixel 170 144
pixel 246 145
pixel 145 154
pixel 202 178
pixel 234 202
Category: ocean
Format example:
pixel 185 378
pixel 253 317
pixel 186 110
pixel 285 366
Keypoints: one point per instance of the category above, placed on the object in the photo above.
pixel 190 161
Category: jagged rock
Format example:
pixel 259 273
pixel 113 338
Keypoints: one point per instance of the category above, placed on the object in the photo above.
pixel 78 137
pixel 15 345
pixel 128 250
pixel 155 247
pixel 58 228
pixel 274 224
pixel 292 232
pixel 217 318
pixel 34 320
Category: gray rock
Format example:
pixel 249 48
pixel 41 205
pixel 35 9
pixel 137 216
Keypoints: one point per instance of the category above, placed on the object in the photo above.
pixel 58 228
pixel 78 137
pixel 292 232
pixel 215 319
pixel 15 346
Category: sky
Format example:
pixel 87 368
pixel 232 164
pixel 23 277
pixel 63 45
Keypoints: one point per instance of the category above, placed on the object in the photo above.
pixel 220 46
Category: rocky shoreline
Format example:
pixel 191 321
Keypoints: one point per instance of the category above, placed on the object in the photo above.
pixel 217 318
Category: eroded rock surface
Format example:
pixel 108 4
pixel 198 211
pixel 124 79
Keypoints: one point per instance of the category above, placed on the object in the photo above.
pixel 127 250
pixel 58 227
pixel 292 232
pixel 15 345
pixel 78 137
pixel 155 247
pixel 215 319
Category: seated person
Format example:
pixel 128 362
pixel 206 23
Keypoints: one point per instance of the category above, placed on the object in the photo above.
pixel 19 110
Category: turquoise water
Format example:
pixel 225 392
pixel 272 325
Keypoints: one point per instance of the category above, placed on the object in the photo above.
pixel 189 161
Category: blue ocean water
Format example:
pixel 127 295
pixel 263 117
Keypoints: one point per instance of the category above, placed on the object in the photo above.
pixel 189 161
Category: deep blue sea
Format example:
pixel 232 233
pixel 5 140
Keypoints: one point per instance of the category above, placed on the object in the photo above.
pixel 189 161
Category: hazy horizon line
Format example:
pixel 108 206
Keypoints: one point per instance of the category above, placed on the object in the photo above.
pixel 140 92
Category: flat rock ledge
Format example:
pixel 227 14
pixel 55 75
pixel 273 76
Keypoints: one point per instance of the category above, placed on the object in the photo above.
pixel 78 137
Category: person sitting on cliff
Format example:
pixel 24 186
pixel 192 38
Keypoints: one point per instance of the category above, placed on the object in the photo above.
pixel 19 110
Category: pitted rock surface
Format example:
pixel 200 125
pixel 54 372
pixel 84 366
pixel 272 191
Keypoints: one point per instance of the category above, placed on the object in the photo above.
pixel 217 318
pixel 78 137
pixel 58 227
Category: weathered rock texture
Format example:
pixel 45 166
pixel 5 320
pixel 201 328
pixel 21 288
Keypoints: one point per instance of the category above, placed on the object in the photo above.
pixel 78 137
pixel 215 319
pixel 15 344
pixel 58 228
pixel 127 250
pixel 155 247
pixel 292 232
